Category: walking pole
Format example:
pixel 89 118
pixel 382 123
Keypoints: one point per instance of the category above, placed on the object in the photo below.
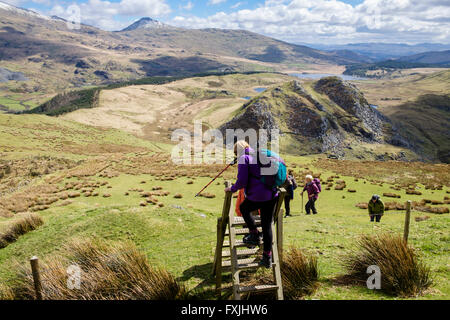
pixel 229 165
pixel 302 202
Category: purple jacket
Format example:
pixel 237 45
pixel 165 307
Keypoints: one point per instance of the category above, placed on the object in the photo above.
pixel 248 177
pixel 312 189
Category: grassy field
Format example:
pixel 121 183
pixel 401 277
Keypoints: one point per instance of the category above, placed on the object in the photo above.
pixel 180 236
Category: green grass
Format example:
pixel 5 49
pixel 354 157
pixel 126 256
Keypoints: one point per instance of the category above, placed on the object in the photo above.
pixel 182 240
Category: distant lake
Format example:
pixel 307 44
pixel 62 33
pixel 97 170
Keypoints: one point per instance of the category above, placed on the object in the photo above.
pixel 374 106
pixel 259 90
pixel 246 98
pixel 323 75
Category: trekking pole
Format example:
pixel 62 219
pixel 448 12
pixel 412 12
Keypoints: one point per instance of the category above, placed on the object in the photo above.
pixel 229 165
pixel 302 202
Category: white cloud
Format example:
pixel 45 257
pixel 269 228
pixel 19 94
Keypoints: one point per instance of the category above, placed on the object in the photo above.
pixel 214 2
pixel 188 6
pixel 101 13
pixel 335 21
pixel 237 5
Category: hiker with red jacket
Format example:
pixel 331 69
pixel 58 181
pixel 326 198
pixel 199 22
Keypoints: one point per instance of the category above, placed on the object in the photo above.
pixel 258 195
pixel 312 187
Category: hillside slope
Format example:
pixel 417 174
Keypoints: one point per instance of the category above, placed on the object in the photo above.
pixel 55 58
pixel 432 57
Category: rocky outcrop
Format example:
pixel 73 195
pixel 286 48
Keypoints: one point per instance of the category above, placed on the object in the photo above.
pixel 332 126
pixel 350 99
pixel 257 115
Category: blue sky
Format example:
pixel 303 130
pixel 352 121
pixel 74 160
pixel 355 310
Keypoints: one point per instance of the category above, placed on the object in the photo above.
pixel 297 21
pixel 200 8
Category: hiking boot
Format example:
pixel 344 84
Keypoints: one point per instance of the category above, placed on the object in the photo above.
pixel 266 261
pixel 288 215
pixel 252 239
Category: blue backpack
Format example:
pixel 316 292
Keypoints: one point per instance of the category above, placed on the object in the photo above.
pixel 277 172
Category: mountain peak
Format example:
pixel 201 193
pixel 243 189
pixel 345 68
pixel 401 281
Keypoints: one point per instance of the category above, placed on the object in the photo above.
pixel 145 23
pixel 22 11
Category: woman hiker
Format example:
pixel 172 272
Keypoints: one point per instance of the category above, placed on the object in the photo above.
pixel 291 186
pixel 376 208
pixel 313 193
pixel 257 196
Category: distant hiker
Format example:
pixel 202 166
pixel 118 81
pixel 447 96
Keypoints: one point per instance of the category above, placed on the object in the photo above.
pixel 258 195
pixel 313 189
pixel 291 186
pixel 376 208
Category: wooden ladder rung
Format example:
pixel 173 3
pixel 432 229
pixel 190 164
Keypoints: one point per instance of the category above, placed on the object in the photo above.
pixel 237 244
pixel 258 288
pixel 239 221
pixel 241 231
pixel 250 263
pixel 240 253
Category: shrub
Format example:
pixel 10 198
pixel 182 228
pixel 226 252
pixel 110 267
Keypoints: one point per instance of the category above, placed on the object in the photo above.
pixel 402 273
pixel 394 206
pixel 391 195
pixel 27 222
pixel 108 272
pixel 299 273
pixel 362 205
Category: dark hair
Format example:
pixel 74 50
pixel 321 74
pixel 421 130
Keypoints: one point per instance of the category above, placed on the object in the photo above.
pixel 375 197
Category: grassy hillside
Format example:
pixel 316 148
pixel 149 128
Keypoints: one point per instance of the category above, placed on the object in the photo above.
pixel 88 197
pixel 54 58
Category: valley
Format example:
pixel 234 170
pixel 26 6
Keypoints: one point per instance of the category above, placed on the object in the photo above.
pixel 86 124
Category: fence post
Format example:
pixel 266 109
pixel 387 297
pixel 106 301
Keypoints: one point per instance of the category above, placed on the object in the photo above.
pixel 407 219
pixel 34 261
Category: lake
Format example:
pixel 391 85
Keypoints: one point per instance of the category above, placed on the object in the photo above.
pixel 259 90
pixel 323 75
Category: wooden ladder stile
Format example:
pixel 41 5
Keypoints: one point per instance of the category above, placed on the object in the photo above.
pixel 246 258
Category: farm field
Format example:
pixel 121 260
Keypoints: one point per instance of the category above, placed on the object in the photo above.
pixel 97 191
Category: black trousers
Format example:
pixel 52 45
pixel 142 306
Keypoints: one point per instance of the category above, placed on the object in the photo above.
pixel 377 218
pixel 311 205
pixel 287 204
pixel 267 210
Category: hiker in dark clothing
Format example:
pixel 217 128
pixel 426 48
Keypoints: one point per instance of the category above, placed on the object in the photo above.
pixel 376 208
pixel 257 196
pixel 313 194
pixel 291 186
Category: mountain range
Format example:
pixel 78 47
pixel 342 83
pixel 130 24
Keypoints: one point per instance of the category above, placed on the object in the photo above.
pixel 384 51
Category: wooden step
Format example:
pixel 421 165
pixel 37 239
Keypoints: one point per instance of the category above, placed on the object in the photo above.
pixel 250 263
pixel 239 221
pixel 258 288
pixel 238 243
pixel 241 231
pixel 240 253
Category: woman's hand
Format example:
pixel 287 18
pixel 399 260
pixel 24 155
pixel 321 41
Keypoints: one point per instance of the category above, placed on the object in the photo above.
pixel 228 189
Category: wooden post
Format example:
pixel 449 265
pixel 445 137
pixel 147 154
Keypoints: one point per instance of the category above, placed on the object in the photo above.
pixel 34 261
pixel 280 235
pixel 216 255
pixel 407 219
pixel 278 219
pixel 221 228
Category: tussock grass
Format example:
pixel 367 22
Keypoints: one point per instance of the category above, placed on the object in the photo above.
pixel 402 273
pixel 299 273
pixel 116 271
pixel 26 223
